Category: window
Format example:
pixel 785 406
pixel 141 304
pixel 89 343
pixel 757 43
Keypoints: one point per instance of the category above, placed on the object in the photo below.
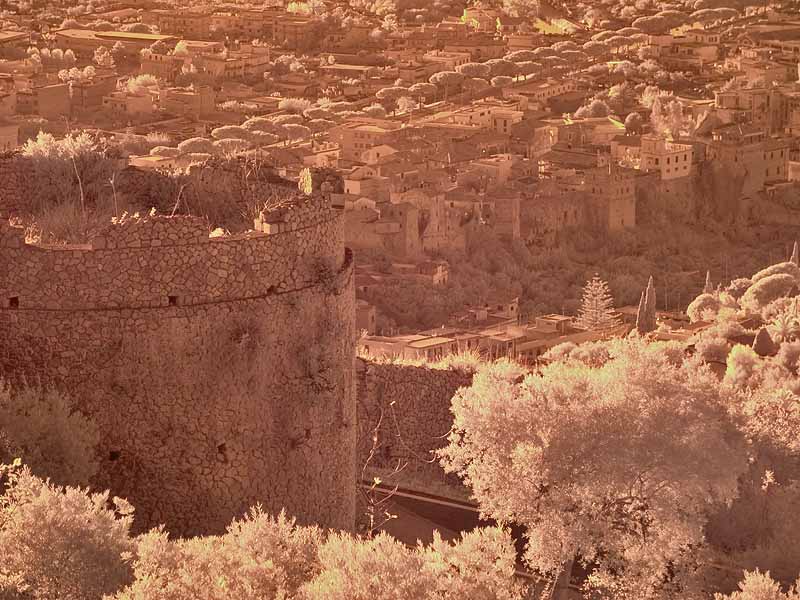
pixel 13 302
pixel 172 300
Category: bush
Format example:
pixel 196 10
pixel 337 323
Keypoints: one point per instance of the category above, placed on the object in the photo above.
pixel 738 287
pixel 767 290
pixel 713 349
pixel 62 543
pixel 42 428
pixel 788 355
pixel 742 367
pixel 787 268
pixel 70 193
pixel 258 557
pixel 294 106
pixel 702 307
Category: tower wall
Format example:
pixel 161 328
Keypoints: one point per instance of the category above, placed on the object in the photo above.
pixel 219 370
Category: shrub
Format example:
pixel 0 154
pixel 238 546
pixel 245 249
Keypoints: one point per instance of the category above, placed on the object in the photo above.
pixel 63 543
pixel 42 428
pixel 70 193
pixel 788 355
pixel 787 268
pixel 258 557
pixel 738 287
pixel 294 105
pixel 767 290
pixel 702 306
pixel 713 349
pixel 742 367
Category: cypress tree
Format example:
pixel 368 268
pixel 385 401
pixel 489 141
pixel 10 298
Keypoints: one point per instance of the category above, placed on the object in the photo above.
pixel 650 305
pixel 709 287
pixel 795 255
pixel 597 306
pixel 641 324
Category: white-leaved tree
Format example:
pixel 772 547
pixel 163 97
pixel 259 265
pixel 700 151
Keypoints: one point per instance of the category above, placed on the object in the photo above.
pixel 615 464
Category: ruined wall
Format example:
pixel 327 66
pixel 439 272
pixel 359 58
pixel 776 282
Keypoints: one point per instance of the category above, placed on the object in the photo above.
pixel 220 370
pixel 410 406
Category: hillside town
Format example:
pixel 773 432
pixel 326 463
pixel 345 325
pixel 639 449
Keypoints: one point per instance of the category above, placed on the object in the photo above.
pixel 436 122
pixel 436 299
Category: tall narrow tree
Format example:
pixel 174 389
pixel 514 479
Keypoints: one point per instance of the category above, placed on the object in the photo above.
pixel 708 288
pixel 641 318
pixel 597 306
pixel 650 305
pixel 795 255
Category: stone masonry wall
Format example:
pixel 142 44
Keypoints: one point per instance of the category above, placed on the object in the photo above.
pixel 412 405
pixel 219 370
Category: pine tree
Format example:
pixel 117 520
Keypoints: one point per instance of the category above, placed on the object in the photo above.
pixel 709 287
pixel 597 306
pixel 795 255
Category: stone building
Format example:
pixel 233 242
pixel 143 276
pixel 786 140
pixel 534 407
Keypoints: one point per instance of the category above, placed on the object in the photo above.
pixel 218 369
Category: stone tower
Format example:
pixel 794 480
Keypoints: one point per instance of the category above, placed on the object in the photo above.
pixel 220 370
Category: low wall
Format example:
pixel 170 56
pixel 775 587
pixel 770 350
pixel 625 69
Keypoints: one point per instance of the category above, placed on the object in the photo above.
pixel 408 408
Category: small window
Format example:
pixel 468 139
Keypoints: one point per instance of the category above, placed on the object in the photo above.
pixel 114 455
pixel 173 300
pixel 13 302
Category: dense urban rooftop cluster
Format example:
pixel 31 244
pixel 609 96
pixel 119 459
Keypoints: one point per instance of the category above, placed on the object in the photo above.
pixel 441 122
pixel 399 266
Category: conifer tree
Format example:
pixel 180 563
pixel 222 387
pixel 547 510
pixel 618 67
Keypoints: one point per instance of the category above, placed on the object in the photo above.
pixel 709 287
pixel 795 255
pixel 641 324
pixel 597 306
pixel 650 305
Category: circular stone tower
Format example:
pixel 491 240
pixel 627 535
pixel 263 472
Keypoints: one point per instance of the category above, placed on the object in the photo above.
pixel 220 370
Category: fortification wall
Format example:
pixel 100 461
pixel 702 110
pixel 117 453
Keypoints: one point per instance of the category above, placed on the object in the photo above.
pixel 409 409
pixel 219 370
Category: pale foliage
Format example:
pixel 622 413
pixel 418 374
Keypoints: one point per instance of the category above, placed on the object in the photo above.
pixel 41 427
pixel 62 543
pixel 759 586
pixel 258 557
pixel 767 290
pixel 597 306
pixel 480 566
pixel 787 268
pixel 616 464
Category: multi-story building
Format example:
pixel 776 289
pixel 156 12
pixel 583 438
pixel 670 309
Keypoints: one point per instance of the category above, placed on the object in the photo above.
pixel 294 31
pixel 184 23
pixel 356 137
pixel 248 62
pixel 670 159
pixel 163 66
pixel 740 148
pixel 190 102
pixel 497 115
pixel 612 194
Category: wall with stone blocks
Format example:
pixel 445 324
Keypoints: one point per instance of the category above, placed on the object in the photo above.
pixel 412 405
pixel 219 370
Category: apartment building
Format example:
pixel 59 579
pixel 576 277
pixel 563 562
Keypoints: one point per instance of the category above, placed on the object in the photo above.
pixel 670 159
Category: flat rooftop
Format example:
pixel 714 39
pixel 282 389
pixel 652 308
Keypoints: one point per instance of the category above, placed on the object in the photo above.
pixel 122 36
pixel 10 36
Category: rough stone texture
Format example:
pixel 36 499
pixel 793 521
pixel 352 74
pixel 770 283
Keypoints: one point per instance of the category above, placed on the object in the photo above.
pixel 220 370
pixel 415 404
pixel 13 176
